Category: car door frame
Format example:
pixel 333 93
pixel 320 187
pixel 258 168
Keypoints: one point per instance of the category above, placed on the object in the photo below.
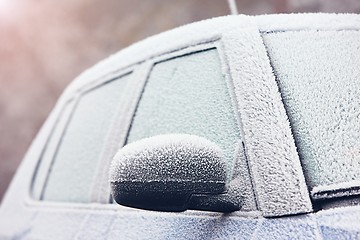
pixel 234 35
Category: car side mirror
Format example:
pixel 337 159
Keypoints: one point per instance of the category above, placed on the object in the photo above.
pixel 172 173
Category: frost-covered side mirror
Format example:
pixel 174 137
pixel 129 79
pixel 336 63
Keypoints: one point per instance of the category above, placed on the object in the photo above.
pixel 172 173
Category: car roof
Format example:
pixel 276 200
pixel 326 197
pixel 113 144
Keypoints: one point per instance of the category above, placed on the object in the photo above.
pixel 180 37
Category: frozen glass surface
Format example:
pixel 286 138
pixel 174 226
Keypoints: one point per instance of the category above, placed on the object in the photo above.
pixel 72 174
pixel 45 162
pixel 318 73
pixel 188 94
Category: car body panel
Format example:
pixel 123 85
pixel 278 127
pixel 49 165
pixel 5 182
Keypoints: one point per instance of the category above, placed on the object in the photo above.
pixel 23 216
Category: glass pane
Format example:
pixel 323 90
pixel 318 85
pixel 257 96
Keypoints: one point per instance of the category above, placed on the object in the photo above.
pixel 189 95
pixel 51 146
pixel 318 73
pixel 74 168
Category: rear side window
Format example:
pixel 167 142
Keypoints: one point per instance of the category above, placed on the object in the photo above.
pixel 318 73
pixel 71 176
pixel 188 94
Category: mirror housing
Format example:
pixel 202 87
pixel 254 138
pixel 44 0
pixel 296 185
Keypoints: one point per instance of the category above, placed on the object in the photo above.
pixel 171 173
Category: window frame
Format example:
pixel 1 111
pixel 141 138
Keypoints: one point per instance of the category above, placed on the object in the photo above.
pixel 273 161
pixel 232 38
pixel 239 152
pixel 139 76
pixel 53 142
pixel 322 193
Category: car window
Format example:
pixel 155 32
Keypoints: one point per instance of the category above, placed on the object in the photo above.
pixel 74 167
pixel 188 94
pixel 318 74
pixel 44 164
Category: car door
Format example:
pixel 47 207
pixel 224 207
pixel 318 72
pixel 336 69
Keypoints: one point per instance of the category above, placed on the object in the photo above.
pixel 211 79
pixel 317 70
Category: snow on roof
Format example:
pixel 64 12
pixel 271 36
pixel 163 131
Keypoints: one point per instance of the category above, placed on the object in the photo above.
pixel 191 34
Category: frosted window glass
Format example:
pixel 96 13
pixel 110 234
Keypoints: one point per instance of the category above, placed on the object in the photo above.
pixel 72 174
pixel 189 95
pixel 318 73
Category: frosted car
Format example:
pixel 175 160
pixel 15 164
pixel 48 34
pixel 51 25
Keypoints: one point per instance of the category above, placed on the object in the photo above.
pixel 236 127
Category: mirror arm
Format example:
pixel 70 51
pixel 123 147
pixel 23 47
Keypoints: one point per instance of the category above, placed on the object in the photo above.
pixel 227 202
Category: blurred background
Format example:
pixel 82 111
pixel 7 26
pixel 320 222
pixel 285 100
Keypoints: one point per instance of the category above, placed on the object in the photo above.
pixel 44 44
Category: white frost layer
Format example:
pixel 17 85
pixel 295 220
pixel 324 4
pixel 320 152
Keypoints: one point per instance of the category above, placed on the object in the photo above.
pixel 336 190
pixel 308 21
pixel 188 95
pixel 275 167
pixel 169 41
pixel 192 34
pixel 318 76
pixel 342 219
pixel 169 157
